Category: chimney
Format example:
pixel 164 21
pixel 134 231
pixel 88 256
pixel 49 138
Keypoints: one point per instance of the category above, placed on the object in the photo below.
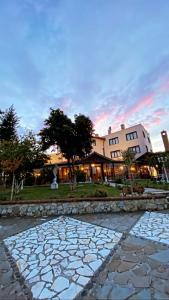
pixel 122 126
pixel 165 140
pixel 109 130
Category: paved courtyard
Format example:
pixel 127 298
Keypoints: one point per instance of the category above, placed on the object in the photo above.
pixel 101 256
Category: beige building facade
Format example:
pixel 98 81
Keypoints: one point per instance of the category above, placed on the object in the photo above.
pixel 135 138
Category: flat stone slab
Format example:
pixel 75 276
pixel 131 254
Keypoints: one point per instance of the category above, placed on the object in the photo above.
pixel 153 226
pixel 58 258
pixel 161 256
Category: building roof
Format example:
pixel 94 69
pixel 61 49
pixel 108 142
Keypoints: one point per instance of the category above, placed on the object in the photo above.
pixel 95 157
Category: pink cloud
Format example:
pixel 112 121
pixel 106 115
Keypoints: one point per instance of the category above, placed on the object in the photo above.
pixel 103 116
pixel 156 118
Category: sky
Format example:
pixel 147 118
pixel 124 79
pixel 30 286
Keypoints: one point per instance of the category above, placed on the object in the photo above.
pixel 107 59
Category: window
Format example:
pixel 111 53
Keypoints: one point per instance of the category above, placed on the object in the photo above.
pixel 149 140
pixel 131 136
pixel 135 149
pixel 144 134
pixel 114 141
pixel 93 142
pixel 146 148
pixel 116 153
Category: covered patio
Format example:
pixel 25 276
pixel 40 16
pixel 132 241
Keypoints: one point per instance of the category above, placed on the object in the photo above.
pixel 95 166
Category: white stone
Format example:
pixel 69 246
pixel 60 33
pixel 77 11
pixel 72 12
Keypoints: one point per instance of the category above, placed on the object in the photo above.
pixel 109 245
pixel 95 264
pixel 75 264
pixel 83 280
pixel 46 269
pixel 63 249
pixel 39 250
pixel 84 271
pixel 71 292
pixel 60 284
pixel 26 251
pixel 84 241
pixel 73 258
pixel 37 288
pixel 89 258
pixel 33 273
pixel 64 263
pixel 46 294
pixel 153 226
pixel 48 277
pixel 34 279
pixel 104 252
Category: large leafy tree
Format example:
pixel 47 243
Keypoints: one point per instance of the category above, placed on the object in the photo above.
pixel 20 156
pixel 73 138
pixel 8 125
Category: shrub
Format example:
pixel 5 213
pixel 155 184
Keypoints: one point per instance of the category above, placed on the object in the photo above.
pixel 118 180
pixel 80 176
pixel 99 193
pixel 138 188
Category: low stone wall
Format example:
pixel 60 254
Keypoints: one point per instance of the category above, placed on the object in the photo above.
pixel 83 206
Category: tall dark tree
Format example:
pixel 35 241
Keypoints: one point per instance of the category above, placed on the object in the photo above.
pixel 73 138
pixel 8 125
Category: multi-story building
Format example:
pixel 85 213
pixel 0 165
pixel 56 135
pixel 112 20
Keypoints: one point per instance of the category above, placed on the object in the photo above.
pixel 135 138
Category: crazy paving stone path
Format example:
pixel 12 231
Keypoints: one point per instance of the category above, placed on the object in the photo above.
pixel 153 226
pixel 58 258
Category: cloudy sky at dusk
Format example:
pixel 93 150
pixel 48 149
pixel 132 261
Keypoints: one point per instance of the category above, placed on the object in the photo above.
pixel 108 59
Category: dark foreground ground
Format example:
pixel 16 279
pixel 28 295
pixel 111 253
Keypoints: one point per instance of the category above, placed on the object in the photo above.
pixel 137 269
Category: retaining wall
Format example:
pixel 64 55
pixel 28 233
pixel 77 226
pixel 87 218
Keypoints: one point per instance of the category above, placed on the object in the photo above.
pixel 82 206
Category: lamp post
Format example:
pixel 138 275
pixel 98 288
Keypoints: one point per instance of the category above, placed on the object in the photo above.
pixel 162 160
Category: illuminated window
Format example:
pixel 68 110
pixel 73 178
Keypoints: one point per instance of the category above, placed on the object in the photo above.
pixel 131 136
pixel 116 153
pixel 135 149
pixel 114 141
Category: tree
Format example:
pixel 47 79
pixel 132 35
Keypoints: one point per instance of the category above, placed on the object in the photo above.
pixel 19 157
pixel 159 161
pixel 8 125
pixel 128 157
pixel 73 138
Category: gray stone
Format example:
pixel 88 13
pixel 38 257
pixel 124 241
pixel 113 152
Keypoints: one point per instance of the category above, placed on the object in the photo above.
pixel 103 292
pixel 141 281
pixel 121 293
pixel 143 295
pixel 122 278
pixel 162 256
pixel 125 266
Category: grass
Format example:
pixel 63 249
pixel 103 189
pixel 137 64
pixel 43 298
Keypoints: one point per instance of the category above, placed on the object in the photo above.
pixel 63 192
pixel 149 183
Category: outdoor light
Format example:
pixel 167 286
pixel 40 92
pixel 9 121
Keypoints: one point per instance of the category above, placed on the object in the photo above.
pixel 162 161
pixel 93 165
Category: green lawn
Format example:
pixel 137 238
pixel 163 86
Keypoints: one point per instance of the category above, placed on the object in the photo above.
pixel 149 183
pixel 64 191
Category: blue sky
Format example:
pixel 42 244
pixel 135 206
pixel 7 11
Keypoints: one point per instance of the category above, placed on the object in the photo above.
pixel 108 59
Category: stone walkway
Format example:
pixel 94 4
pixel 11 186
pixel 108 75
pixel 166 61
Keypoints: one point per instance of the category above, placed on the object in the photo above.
pixel 137 268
